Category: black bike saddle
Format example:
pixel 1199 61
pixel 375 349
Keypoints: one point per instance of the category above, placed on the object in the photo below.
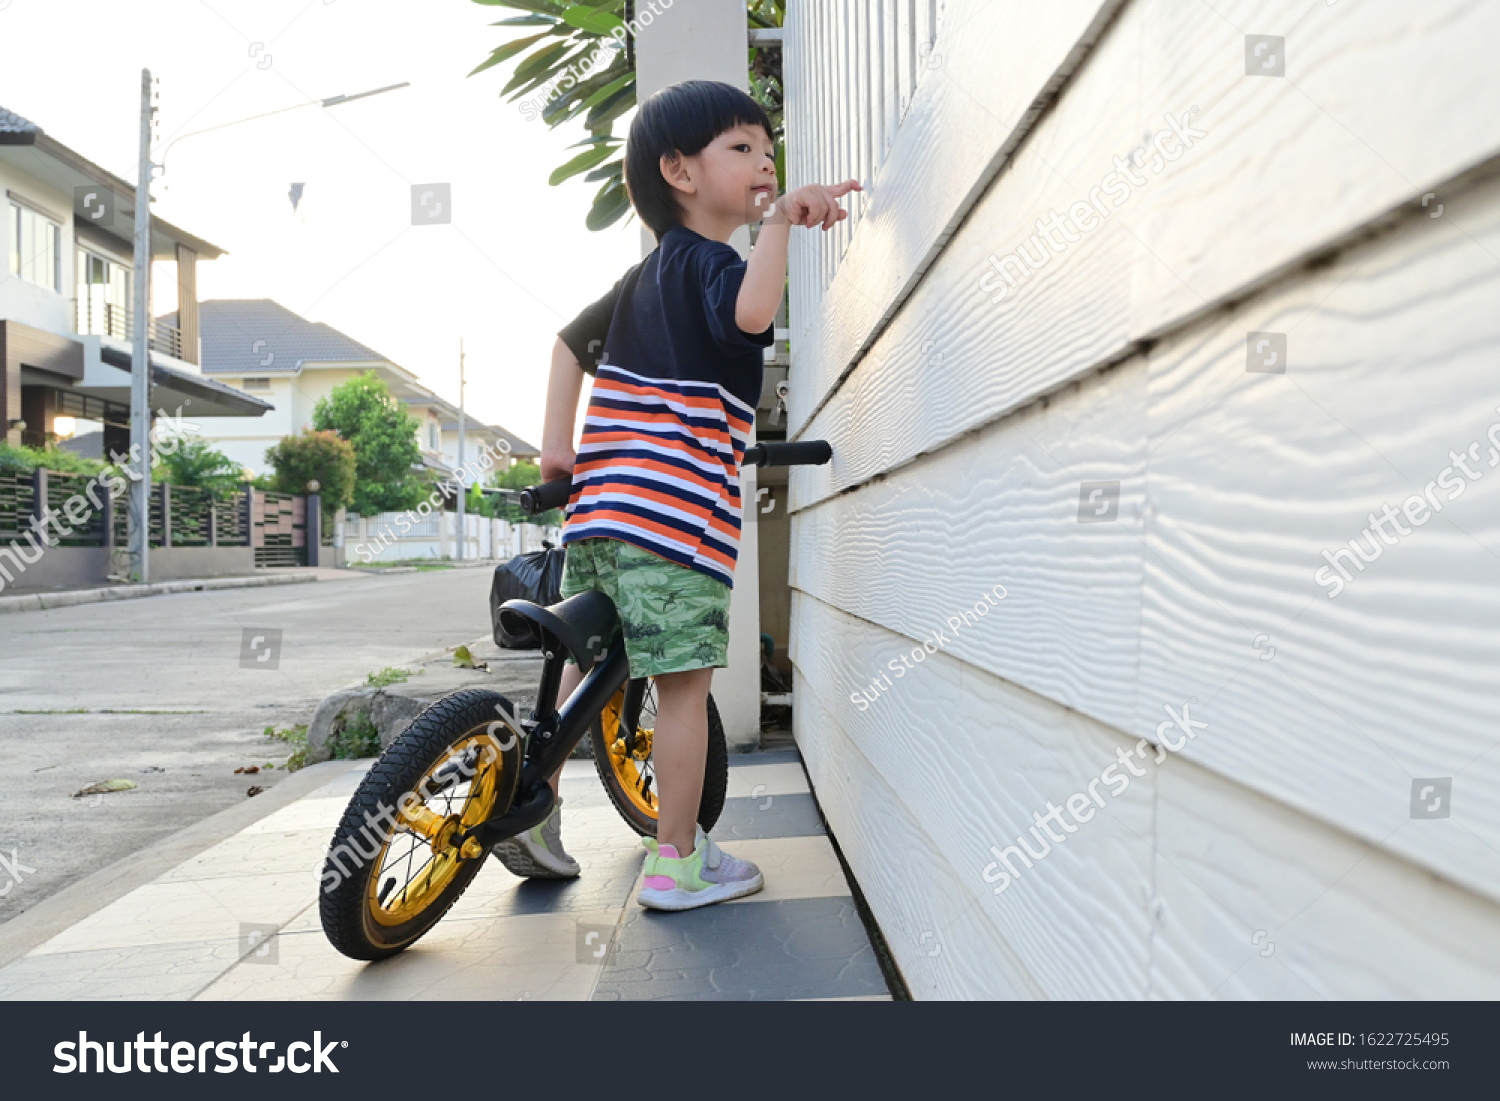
pixel 583 624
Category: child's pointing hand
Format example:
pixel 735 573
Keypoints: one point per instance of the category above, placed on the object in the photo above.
pixel 816 203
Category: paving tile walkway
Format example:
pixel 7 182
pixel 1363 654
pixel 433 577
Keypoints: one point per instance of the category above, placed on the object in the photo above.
pixel 239 920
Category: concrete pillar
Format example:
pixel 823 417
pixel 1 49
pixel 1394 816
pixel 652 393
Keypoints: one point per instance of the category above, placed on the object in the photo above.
pixel 710 40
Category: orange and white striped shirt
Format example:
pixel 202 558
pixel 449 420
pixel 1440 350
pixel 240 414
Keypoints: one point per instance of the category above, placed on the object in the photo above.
pixel 671 408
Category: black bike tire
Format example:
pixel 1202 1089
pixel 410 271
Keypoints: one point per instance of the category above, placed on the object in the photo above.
pixel 398 770
pixel 715 777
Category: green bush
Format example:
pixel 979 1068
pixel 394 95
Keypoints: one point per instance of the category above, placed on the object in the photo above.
pixel 322 456
pixel 355 739
pixel 195 464
pixel 296 738
pixel 50 458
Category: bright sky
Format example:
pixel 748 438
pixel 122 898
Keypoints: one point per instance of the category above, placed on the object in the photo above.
pixel 515 264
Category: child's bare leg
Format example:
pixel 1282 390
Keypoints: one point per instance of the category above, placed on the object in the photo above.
pixel 572 677
pixel 679 749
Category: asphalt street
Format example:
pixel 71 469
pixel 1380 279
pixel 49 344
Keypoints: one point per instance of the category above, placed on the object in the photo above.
pixel 174 693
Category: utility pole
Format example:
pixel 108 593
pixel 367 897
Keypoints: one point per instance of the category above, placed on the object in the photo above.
pixel 463 531
pixel 139 512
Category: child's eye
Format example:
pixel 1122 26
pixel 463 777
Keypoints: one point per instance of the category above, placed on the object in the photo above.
pixel 743 145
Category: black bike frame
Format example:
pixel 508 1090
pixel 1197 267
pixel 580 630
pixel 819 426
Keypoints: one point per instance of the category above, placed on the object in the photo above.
pixel 553 735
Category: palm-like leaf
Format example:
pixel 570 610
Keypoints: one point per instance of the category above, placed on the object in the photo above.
pixel 577 31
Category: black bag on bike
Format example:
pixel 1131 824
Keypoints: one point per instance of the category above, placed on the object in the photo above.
pixel 536 577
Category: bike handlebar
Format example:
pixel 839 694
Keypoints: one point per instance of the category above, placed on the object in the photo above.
pixel 555 494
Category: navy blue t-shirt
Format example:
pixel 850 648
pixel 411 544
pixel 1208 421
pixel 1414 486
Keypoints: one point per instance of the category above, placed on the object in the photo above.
pixel 672 405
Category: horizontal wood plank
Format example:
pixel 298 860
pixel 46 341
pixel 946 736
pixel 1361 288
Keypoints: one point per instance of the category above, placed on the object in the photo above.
pixel 1257 902
pixel 943 945
pixel 1337 704
pixel 994 66
pixel 974 760
pixel 1004 507
pixel 1380 103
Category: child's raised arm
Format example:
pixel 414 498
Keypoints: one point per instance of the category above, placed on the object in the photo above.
pixel 564 385
pixel 765 273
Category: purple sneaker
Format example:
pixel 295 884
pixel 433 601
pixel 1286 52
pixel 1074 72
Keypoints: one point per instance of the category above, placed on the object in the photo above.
pixel 706 876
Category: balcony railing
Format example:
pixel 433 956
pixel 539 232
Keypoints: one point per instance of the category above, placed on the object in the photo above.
pixel 107 319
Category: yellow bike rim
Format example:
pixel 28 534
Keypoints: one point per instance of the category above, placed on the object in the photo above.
pixel 422 854
pixel 634 773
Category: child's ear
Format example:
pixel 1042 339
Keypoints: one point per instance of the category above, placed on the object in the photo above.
pixel 678 173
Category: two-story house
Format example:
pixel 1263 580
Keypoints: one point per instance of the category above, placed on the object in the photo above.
pixel 265 350
pixel 66 228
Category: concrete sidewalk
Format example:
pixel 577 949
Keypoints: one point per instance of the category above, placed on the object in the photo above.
pixel 238 919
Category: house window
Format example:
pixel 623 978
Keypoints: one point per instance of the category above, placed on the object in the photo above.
pixel 255 384
pixel 35 247
pixel 103 295
pixel 432 437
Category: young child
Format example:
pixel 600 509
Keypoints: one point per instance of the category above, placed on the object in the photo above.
pixel 676 351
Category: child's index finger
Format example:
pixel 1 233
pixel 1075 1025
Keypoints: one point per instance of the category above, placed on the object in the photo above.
pixel 847 186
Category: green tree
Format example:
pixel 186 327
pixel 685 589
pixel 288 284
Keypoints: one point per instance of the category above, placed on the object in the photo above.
pixel 324 457
pixel 194 463
pixel 388 477
pixel 578 69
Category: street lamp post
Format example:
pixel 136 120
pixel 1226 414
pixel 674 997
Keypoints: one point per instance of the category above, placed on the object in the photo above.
pixel 138 515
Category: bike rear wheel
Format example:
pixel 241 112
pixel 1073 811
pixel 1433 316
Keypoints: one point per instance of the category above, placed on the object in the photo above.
pixel 396 864
pixel 629 776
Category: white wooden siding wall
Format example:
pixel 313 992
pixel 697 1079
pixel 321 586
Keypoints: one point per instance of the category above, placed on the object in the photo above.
pixel 962 430
pixel 860 65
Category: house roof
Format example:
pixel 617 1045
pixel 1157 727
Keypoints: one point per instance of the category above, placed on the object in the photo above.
pixel 240 335
pixel 67 168
pixel 90 445
pixel 12 123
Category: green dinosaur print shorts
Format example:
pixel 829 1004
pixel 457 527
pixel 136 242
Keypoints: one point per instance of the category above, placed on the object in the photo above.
pixel 674 618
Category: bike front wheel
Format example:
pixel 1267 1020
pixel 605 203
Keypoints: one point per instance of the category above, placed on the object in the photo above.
pixel 397 861
pixel 629 775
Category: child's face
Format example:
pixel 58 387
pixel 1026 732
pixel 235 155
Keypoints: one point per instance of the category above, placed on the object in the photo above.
pixel 734 176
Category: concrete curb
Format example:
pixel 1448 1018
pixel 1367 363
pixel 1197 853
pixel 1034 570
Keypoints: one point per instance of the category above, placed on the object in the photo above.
pixel 92 893
pixel 37 602
pixel 391 709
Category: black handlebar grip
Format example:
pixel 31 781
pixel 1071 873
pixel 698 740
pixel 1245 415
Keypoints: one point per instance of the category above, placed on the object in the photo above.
pixel 801 453
pixel 548 495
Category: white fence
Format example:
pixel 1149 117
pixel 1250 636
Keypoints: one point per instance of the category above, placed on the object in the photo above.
pixel 396 536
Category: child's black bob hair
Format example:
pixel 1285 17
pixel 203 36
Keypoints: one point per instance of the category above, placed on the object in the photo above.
pixel 683 118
